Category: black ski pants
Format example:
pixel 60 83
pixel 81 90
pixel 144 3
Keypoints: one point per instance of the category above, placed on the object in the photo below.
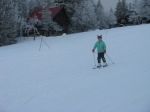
pixel 101 56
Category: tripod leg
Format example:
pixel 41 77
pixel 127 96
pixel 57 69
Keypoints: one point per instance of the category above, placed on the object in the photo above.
pixel 46 44
pixel 41 44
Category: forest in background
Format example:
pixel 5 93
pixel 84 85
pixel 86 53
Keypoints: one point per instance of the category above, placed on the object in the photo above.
pixel 84 15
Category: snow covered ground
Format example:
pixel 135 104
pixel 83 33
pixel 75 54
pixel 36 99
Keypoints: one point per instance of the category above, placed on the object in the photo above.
pixel 61 79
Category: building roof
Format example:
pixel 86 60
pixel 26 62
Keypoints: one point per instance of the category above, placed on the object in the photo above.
pixel 37 12
pixel 55 10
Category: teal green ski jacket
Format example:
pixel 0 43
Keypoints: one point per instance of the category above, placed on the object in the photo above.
pixel 100 46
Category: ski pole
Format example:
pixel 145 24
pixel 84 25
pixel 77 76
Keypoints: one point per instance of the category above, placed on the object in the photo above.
pixel 41 44
pixel 110 59
pixel 94 59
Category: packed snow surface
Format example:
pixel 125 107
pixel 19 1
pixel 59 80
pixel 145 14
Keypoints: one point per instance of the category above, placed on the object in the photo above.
pixel 58 77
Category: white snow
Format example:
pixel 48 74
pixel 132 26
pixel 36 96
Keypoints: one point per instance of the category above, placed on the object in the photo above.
pixel 61 79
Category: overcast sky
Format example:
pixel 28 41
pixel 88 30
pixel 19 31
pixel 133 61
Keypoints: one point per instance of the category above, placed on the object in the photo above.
pixel 110 3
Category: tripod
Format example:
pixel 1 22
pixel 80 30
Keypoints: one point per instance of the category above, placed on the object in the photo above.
pixel 42 41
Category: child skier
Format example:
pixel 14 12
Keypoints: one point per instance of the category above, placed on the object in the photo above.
pixel 101 50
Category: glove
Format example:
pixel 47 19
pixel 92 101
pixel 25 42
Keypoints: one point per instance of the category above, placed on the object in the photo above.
pixel 93 50
pixel 105 52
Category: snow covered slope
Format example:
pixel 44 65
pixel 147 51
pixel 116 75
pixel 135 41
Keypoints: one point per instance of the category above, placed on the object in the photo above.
pixel 61 79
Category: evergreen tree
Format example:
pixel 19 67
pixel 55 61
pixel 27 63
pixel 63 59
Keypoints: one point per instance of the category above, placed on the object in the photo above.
pixel 134 17
pixel 69 5
pixel 122 12
pixel 125 10
pixel 118 12
pixel 84 17
pixel 48 25
pixel 100 15
pixel 111 18
pixel 144 11
pixel 22 12
pixel 32 4
pixel 8 20
pixel 22 8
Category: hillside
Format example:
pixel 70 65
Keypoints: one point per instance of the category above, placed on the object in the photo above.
pixel 60 78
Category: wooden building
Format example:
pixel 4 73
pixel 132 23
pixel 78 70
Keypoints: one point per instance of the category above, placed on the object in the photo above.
pixel 58 15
